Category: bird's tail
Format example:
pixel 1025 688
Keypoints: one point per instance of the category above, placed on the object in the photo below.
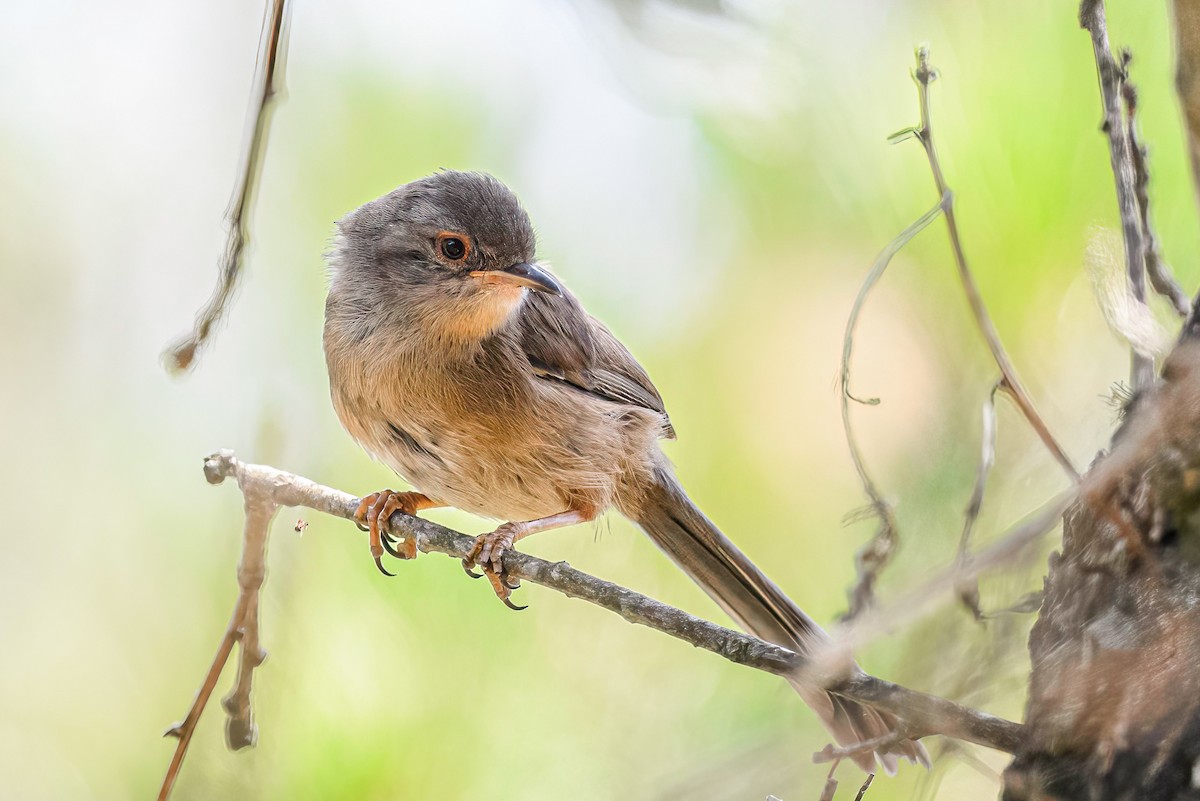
pixel 682 531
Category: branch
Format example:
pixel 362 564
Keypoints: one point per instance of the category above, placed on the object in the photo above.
pixel 968 591
pixel 916 603
pixel 267 488
pixel 268 87
pixel 1112 76
pixel 876 554
pixel 1187 77
pixel 243 626
pixel 924 75
pixel 1157 270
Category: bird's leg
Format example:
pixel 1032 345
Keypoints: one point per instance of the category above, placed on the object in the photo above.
pixel 489 549
pixel 373 513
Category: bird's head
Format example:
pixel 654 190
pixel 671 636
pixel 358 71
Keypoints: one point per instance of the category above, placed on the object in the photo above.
pixel 454 252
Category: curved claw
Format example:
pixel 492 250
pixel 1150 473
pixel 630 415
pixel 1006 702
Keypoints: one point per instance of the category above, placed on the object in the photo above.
pixel 382 569
pixel 471 572
pixel 513 606
pixel 504 581
pixel 361 527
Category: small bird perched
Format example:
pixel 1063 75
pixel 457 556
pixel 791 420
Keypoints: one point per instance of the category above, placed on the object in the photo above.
pixel 473 373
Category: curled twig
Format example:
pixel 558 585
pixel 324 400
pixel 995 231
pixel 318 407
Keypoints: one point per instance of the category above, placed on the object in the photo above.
pixel 268 87
pixel 876 554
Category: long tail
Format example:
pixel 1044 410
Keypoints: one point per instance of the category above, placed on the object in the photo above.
pixel 682 531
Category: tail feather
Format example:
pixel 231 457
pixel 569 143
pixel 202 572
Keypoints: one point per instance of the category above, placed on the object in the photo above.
pixel 690 539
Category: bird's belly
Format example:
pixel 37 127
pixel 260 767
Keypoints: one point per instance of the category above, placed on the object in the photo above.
pixel 481 470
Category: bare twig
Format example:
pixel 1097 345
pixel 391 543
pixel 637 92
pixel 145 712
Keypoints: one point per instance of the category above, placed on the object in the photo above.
pixel 1161 278
pixel 1187 77
pixel 834 754
pixel 243 626
pixel 866 785
pixel 1112 76
pixel 830 789
pixel 268 87
pixel 924 75
pixel 968 592
pixel 922 713
pixel 848 638
pixel 878 552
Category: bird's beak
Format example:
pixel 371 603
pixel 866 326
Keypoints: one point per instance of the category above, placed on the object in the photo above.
pixel 523 274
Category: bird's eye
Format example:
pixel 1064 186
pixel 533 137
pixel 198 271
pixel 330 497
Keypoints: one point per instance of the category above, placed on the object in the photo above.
pixel 453 247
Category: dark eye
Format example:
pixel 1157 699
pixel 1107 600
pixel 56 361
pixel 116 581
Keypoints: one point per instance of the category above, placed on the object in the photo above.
pixel 453 248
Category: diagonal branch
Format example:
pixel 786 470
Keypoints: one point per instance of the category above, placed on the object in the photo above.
pixel 924 75
pixel 1157 270
pixel 267 488
pixel 268 87
pixel 1112 76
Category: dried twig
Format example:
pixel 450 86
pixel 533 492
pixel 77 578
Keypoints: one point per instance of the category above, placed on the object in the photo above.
pixel 968 592
pixel 243 626
pixel 866 785
pixel 836 754
pixel 268 87
pixel 1112 76
pixel 1187 77
pixel 924 75
pixel 866 628
pixel 876 554
pixel 1161 278
pixel 271 488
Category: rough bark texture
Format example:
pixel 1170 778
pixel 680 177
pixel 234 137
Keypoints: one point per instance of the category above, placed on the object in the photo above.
pixel 1187 76
pixel 1114 700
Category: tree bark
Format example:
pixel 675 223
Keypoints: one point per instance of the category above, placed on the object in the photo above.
pixel 1114 696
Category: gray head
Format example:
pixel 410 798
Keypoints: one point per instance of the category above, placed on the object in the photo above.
pixel 452 253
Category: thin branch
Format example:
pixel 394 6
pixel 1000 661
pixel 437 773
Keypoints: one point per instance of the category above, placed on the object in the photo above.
pixel 1159 272
pixel 243 626
pixel 968 592
pixel 866 785
pixel 1187 77
pixel 924 75
pixel 878 552
pixel 1112 75
pixel 850 637
pixel 923 714
pixel 834 754
pixel 268 88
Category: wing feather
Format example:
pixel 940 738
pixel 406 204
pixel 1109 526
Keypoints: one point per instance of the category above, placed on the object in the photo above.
pixel 564 343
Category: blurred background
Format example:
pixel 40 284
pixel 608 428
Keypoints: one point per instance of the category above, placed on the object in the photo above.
pixel 714 183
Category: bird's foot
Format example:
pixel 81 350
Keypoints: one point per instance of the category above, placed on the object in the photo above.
pixel 488 556
pixel 372 516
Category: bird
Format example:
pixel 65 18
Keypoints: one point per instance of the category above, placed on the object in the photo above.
pixel 463 363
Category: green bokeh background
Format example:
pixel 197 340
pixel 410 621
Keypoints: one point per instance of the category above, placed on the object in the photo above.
pixel 737 166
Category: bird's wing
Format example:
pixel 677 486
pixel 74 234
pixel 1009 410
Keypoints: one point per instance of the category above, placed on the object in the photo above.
pixel 564 343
